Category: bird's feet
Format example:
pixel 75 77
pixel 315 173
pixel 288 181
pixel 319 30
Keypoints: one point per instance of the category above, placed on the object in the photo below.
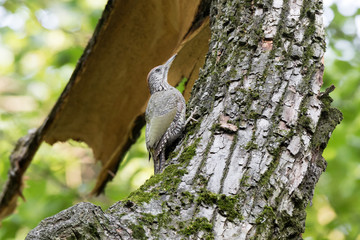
pixel 191 118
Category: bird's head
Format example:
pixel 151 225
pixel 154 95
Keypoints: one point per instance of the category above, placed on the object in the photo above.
pixel 157 77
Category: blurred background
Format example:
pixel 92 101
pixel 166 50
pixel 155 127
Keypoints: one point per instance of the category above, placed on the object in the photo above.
pixel 40 43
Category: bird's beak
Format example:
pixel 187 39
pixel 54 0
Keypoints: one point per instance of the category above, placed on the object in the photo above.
pixel 168 64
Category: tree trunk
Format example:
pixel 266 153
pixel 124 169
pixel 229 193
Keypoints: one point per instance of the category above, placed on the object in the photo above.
pixel 247 168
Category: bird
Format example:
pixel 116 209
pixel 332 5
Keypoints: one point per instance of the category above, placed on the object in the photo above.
pixel 165 114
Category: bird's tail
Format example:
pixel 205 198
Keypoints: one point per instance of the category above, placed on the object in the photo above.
pixel 159 162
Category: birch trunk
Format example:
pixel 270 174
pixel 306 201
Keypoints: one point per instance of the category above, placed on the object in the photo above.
pixel 247 168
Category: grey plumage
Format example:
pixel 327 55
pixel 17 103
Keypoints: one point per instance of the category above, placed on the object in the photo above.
pixel 165 114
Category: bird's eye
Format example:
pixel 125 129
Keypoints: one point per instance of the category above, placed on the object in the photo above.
pixel 157 70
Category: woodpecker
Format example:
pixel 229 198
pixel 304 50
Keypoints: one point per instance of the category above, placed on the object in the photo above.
pixel 165 114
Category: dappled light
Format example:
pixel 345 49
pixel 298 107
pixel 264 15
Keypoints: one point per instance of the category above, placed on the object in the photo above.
pixel 40 44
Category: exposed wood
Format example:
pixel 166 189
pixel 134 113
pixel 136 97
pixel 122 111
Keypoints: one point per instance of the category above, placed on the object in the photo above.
pixel 104 102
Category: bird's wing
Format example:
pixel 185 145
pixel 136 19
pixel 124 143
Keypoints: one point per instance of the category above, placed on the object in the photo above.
pixel 160 113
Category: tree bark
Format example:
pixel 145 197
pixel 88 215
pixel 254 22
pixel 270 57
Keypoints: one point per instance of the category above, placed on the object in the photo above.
pixel 247 168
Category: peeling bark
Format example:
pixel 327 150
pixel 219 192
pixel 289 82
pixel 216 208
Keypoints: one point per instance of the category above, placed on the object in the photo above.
pixel 248 167
pixel 104 102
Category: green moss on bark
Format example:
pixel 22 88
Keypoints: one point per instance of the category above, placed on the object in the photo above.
pixel 189 152
pixel 264 180
pixel 165 181
pixel 227 206
pixel 251 145
pixel 329 119
pixel 138 232
pixel 199 224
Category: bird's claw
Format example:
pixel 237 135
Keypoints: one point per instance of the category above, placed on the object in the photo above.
pixel 190 118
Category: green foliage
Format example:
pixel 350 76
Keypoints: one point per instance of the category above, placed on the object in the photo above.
pixel 40 44
pixel 181 85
